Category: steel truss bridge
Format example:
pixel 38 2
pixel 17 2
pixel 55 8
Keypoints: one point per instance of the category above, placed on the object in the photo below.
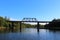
pixel 28 20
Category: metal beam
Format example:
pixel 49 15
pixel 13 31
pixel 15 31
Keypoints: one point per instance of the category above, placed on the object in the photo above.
pixel 32 21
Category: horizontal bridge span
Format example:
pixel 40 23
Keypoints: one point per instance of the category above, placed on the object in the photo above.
pixel 32 21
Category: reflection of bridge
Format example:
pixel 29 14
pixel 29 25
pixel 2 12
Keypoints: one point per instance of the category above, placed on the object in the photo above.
pixel 29 20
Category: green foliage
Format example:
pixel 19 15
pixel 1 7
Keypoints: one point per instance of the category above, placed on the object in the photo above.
pixel 24 25
pixel 3 22
pixel 54 24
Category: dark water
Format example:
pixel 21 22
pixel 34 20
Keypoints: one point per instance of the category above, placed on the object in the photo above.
pixel 31 34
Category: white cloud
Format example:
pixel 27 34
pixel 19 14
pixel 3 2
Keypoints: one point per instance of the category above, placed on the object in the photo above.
pixel 14 19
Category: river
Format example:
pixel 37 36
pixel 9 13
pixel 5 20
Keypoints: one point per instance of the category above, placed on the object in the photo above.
pixel 31 34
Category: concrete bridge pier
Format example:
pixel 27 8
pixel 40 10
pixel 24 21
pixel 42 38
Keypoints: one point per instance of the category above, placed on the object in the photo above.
pixel 20 26
pixel 12 26
pixel 37 26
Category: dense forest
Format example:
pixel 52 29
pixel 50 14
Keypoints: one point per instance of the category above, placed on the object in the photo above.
pixel 3 22
pixel 54 24
pixel 6 25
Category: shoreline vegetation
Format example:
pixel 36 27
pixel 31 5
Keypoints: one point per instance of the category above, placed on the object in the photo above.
pixel 53 25
pixel 4 25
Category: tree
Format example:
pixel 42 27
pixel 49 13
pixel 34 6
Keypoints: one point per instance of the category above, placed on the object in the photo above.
pixel 3 22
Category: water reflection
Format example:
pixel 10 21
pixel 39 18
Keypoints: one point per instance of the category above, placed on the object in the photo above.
pixel 31 34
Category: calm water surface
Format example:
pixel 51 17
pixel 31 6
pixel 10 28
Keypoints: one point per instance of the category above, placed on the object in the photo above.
pixel 31 34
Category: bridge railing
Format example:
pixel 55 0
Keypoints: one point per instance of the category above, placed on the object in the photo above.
pixel 29 19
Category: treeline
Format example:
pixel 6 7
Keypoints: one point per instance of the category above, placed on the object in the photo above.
pixel 5 24
pixel 54 24
pixel 32 26
pixel 3 21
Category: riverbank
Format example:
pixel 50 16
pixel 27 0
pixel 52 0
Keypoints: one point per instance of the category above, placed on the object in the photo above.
pixel 2 28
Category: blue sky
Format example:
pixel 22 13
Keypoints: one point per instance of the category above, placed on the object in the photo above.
pixel 40 9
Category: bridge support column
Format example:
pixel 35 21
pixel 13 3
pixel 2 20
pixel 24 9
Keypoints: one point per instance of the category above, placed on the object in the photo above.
pixel 37 26
pixel 20 27
pixel 12 26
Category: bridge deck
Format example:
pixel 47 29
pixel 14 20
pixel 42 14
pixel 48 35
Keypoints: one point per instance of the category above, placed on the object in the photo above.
pixel 31 21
